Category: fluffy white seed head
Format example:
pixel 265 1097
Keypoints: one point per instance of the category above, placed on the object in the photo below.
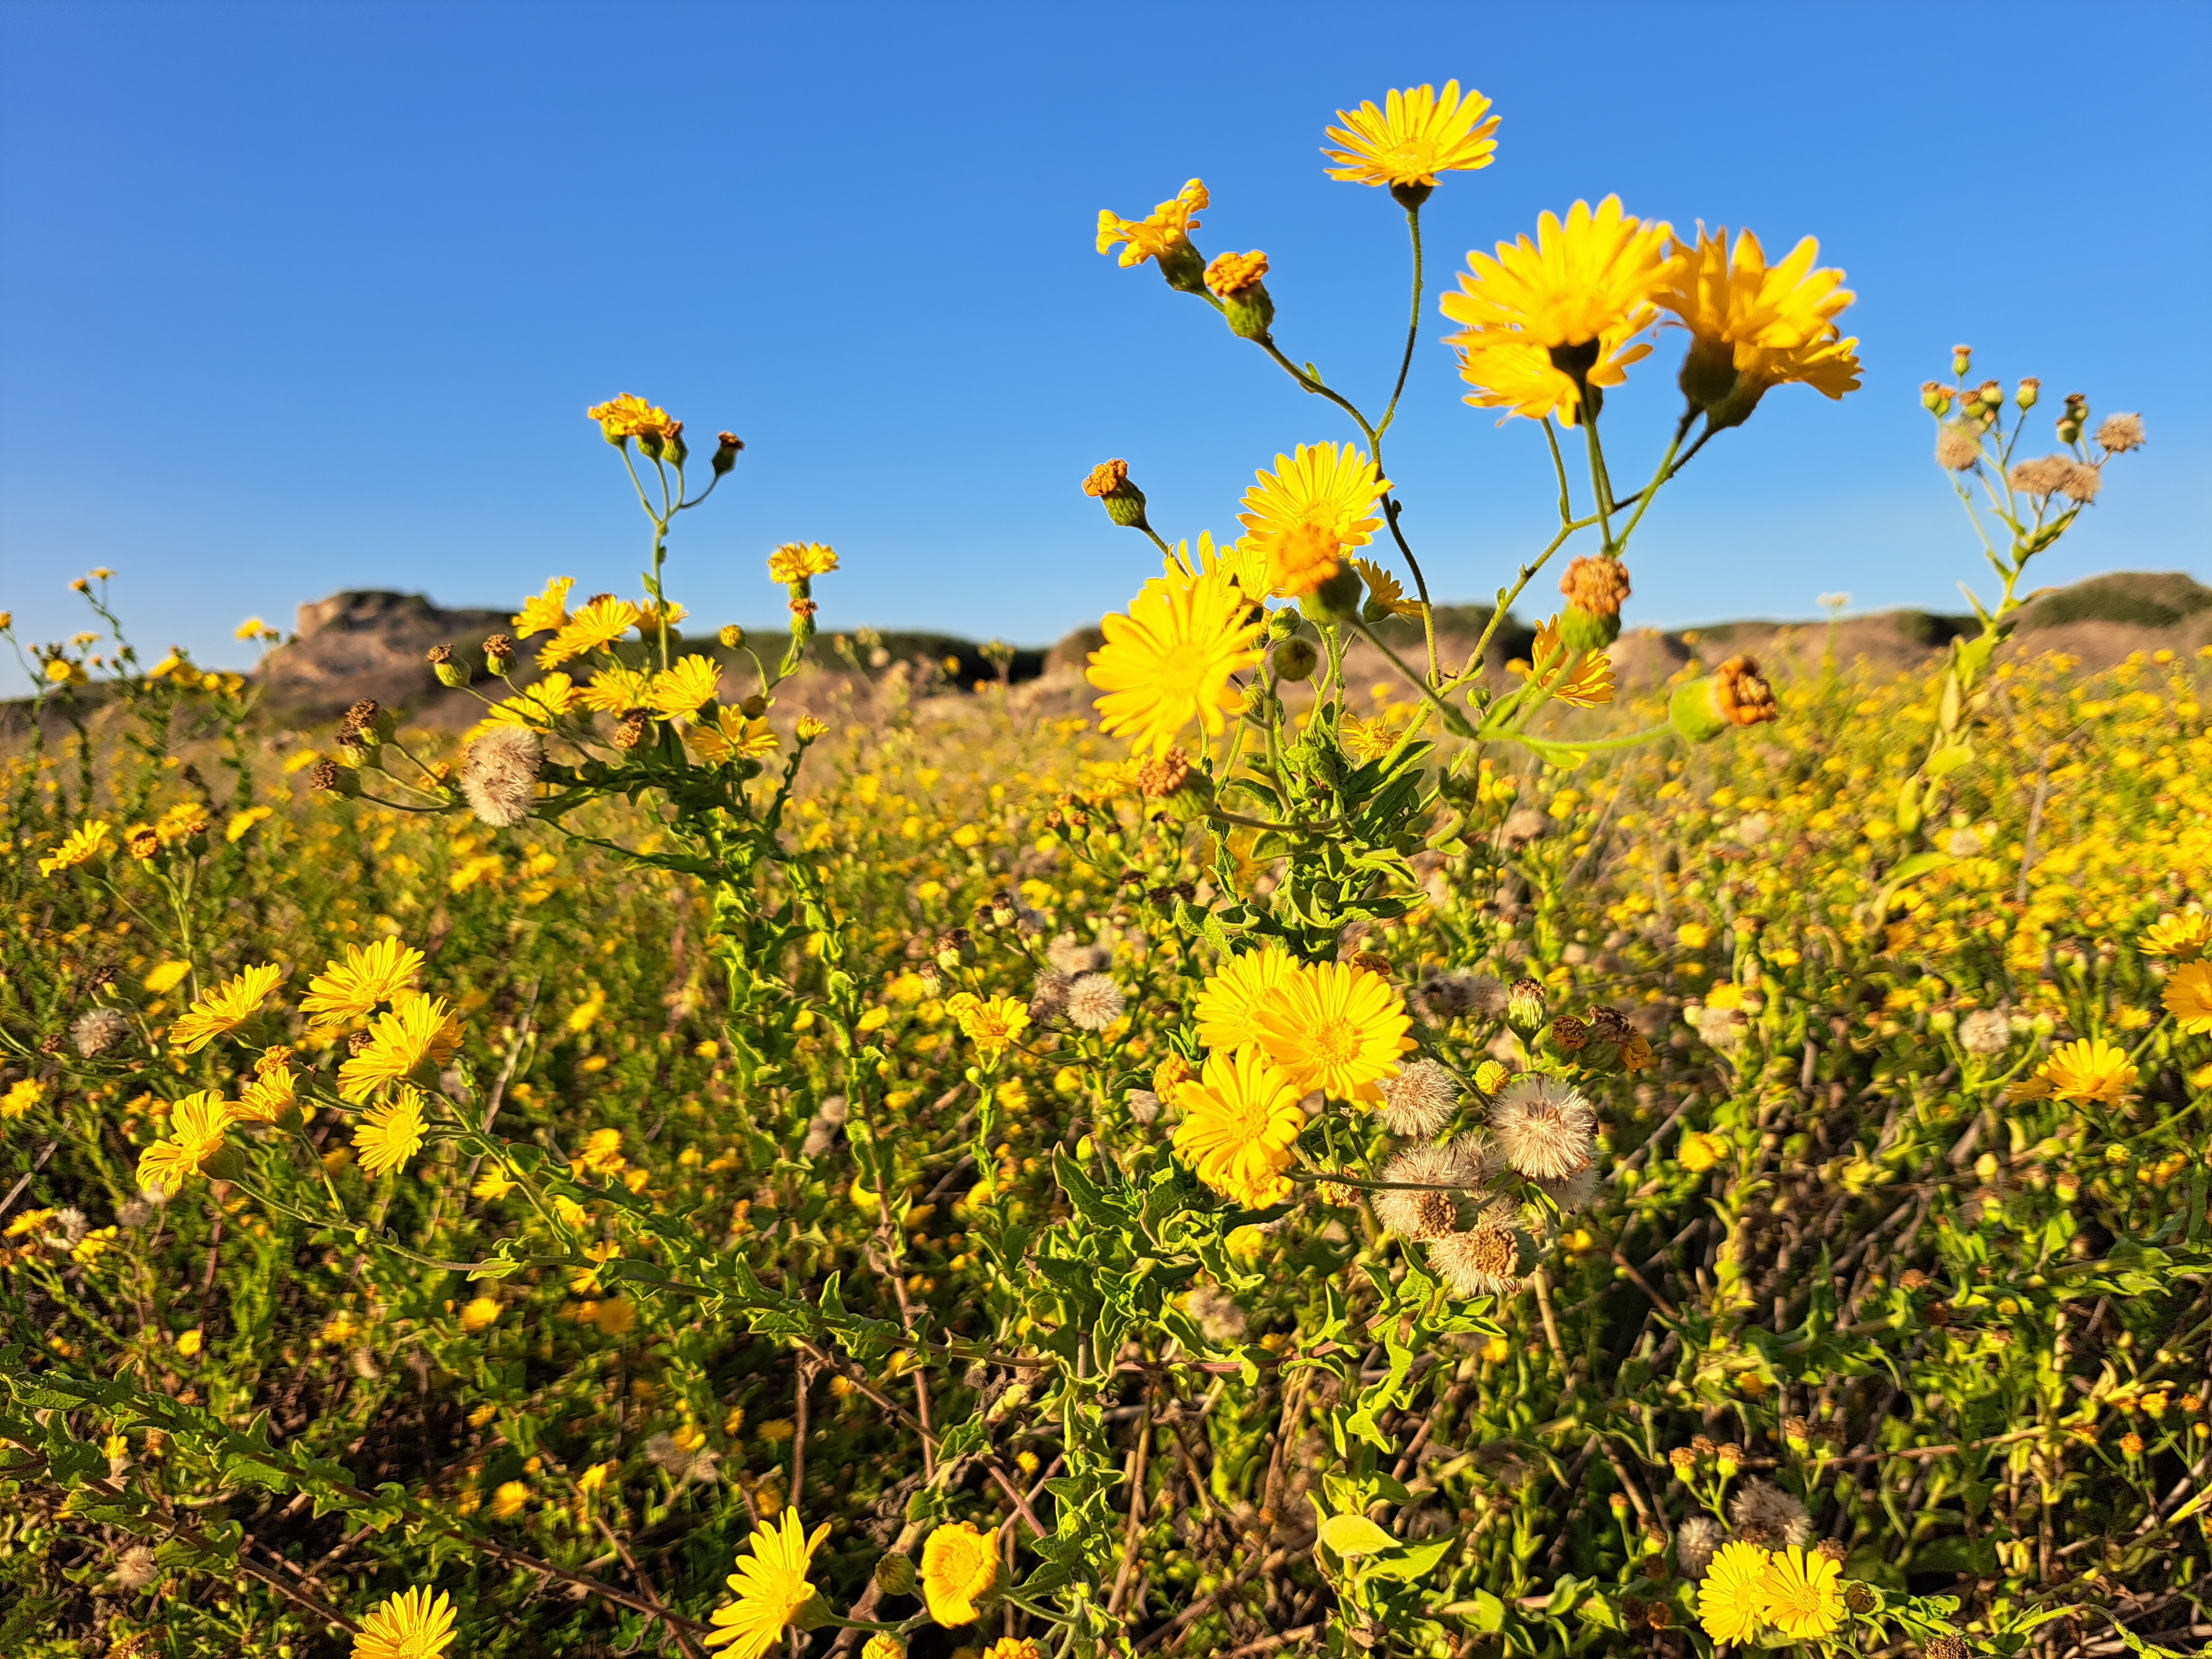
pixel 499 778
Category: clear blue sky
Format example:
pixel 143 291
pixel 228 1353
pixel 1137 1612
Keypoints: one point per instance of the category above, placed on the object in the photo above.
pixel 302 296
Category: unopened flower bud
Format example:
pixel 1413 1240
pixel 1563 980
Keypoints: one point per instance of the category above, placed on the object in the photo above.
pixel 1123 501
pixel 725 453
pixel 1860 1600
pixel 954 947
pixel 1245 305
pixel 1524 1006
pixel 732 637
pixel 1936 398
pixel 499 653
pixel 1295 660
pixel 2029 390
pixel 451 674
pixel 1962 359
pixel 895 1574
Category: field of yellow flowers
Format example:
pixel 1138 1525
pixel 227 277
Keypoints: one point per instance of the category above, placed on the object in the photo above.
pixel 730 1155
pixel 1837 1283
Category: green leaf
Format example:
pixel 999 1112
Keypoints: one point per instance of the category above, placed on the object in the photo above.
pixel 1350 1536
pixel 1412 1562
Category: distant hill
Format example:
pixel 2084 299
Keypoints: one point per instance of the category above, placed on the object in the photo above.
pixel 371 643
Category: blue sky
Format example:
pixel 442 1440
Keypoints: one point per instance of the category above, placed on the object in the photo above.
pixel 297 297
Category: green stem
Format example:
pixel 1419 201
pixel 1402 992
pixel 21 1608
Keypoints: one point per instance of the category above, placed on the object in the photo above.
pixel 1321 388
pixel 1454 720
pixel 1413 329
pixel 1651 490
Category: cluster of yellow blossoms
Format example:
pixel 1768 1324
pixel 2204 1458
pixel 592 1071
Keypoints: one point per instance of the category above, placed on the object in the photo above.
pixel 1276 1031
pixel 1750 1594
pixel 398 1031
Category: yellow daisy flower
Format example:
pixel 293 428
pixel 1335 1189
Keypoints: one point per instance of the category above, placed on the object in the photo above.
pixel 2184 936
pixel 2188 996
pixel 1416 135
pixel 87 841
pixel 196 1128
pixel 616 690
pixel 1803 1596
pixel 1572 301
pixel 1336 1028
pixel 224 1009
pixel 798 560
pixel 417 1028
pixel 1732 1600
pixel 1585 681
pixel 630 416
pixel 594 628
pixel 1229 1002
pixel 882 1645
pixel 731 736
pixel 538 707
pixel 541 613
pixel 648 617
pixel 274 1088
pixel 680 692
pixel 351 989
pixel 392 1133
pixel 1169 661
pixel 959 1569
pixel 993 1026
pixel 1243 561
pixel 2092 1069
pixel 412 1624
pixel 1168 227
pixel 1384 589
pixel 1754 327
pixel 1312 509
pixel 771 1586
pixel 1240 1126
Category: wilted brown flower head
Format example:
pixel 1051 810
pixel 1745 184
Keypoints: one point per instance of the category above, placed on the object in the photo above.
pixel 2041 476
pixel 1768 1516
pixel 1544 1128
pixel 1746 698
pixel 1596 584
pixel 1419 1101
pixel 1484 1260
pixel 1956 446
pixel 2082 484
pixel 1161 777
pixel 500 776
pixel 2119 434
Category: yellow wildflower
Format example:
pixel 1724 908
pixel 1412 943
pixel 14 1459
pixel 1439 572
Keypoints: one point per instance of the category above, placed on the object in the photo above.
pixel 543 612
pixel 959 1570
pixel 772 1587
pixel 1240 1124
pixel 87 841
pixel 678 693
pixel 224 1009
pixel 1165 229
pixel 1417 134
pixel 1170 660
pixel 353 985
pixel 417 1028
pixel 391 1132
